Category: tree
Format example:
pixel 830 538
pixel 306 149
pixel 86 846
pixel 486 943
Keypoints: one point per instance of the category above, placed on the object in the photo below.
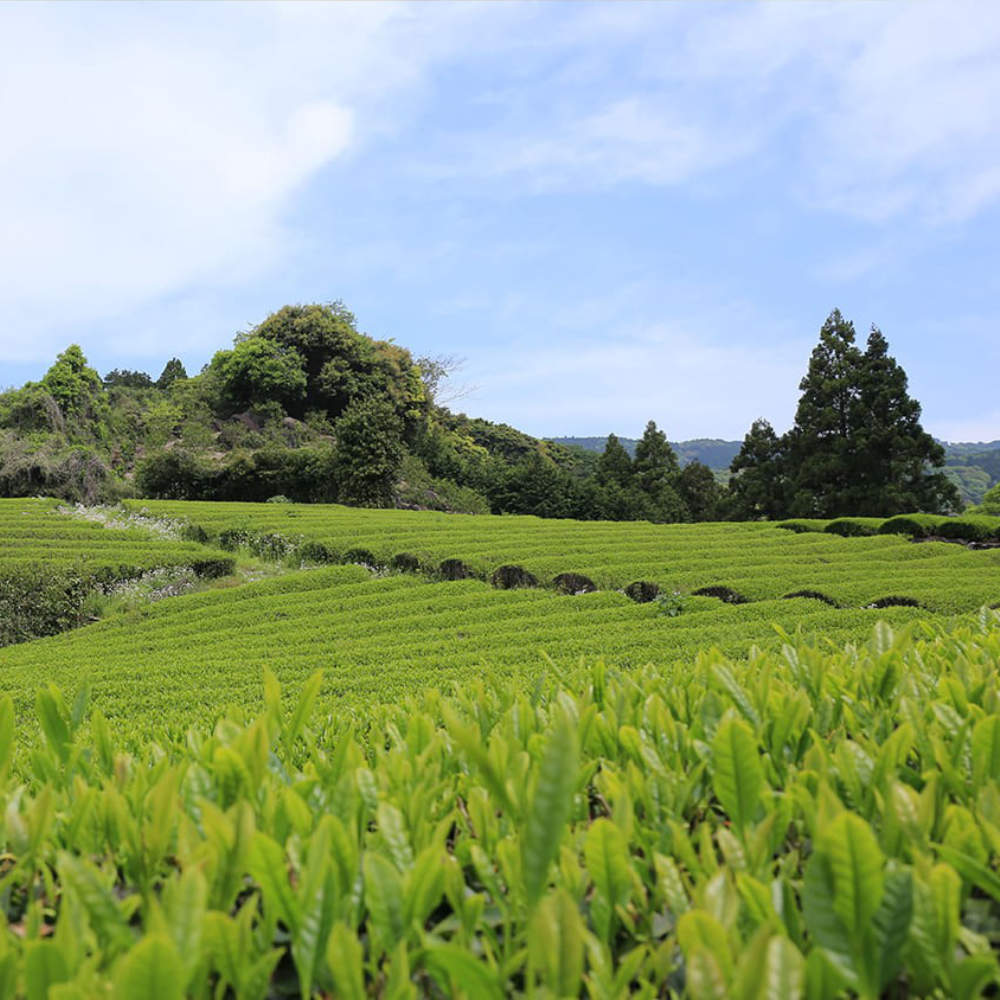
pixel 893 453
pixel 369 453
pixel 654 475
pixel 757 486
pixel 173 371
pixel 991 502
pixel 259 371
pixel 655 462
pixel 125 379
pixel 71 382
pixel 342 365
pixel 821 445
pixel 614 466
pixel 857 446
pixel 698 489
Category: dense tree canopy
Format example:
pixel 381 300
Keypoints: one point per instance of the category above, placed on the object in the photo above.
pixel 856 447
pixel 306 406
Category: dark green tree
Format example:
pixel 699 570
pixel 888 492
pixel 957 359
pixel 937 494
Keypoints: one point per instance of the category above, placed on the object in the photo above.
pixel 369 453
pixel 655 470
pixel 893 455
pixel 342 365
pixel 614 467
pixel 757 487
pixel 857 446
pixel 123 378
pixel 655 463
pixel 173 371
pixel 699 490
pixel 536 486
pixel 822 444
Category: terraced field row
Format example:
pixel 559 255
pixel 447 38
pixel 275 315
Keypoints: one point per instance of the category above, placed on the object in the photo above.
pixel 381 639
pixel 741 562
pixel 36 532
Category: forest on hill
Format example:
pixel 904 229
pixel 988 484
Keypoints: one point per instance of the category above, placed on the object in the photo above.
pixel 305 406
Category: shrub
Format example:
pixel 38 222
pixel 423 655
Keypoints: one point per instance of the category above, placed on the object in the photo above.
pixel 36 600
pixel 725 594
pixel 813 595
pixel 971 528
pixel 404 562
pixel 455 569
pixel 574 583
pixel 212 569
pixel 854 527
pixel 511 577
pixel 362 557
pixel 802 524
pixel 914 525
pixel 316 552
pixel 642 591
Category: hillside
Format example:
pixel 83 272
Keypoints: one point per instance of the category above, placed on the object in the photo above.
pixel 306 406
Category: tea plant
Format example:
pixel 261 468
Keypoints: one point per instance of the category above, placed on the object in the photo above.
pixel 807 824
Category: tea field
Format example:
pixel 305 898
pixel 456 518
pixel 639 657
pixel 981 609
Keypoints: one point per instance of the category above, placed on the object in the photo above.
pixel 42 532
pixel 420 760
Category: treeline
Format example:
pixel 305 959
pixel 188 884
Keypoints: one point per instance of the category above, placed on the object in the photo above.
pixel 306 407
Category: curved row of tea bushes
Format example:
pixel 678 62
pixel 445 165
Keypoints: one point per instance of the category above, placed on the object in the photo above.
pixel 51 562
pixel 755 560
pixel 381 638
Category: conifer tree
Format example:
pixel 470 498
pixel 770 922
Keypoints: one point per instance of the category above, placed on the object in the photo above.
pixel 757 487
pixel 614 467
pixel 857 446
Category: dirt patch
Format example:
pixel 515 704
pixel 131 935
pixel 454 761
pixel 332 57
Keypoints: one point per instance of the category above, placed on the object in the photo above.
pixel 725 594
pixel 813 595
pixel 455 569
pixel 512 577
pixel 574 583
pixel 894 601
pixel 643 591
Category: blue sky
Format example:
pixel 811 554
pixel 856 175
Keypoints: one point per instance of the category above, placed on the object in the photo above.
pixel 614 212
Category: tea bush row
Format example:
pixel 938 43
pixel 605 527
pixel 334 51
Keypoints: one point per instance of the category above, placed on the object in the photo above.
pixel 810 823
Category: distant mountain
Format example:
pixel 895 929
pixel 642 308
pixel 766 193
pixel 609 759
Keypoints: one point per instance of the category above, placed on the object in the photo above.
pixel 713 452
pixel 974 467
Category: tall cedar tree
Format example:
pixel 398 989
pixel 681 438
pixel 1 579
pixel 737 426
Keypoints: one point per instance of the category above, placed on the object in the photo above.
pixel 654 474
pixel 857 446
pixel 757 486
pixel 894 453
pixel 614 467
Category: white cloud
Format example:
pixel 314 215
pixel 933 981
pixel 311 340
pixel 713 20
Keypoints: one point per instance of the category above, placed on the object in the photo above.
pixel 147 153
pixel 687 371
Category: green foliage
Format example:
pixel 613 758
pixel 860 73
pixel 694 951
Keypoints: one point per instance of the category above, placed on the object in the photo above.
pixel 808 824
pixel 614 468
pixel 173 371
pixel 757 487
pixel 857 446
pixel 123 378
pixel 71 382
pixel 258 370
pixel 369 453
pixel 990 504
